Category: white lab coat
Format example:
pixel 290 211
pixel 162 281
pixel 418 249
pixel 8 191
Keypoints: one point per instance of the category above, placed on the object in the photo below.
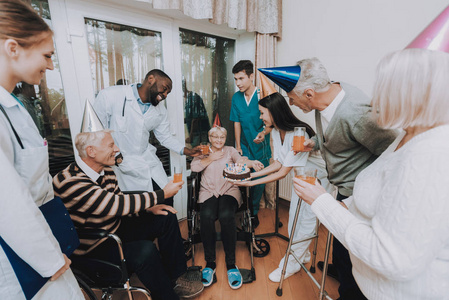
pixel 131 134
pixel 25 184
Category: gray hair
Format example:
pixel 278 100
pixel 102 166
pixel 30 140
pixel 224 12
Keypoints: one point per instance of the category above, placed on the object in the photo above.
pixel 85 139
pixel 218 129
pixel 313 76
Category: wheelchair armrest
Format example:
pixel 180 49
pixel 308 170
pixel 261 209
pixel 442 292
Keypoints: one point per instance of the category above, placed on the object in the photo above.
pixel 192 176
pixel 97 234
pixel 92 234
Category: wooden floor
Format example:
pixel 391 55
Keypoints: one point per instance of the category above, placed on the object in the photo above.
pixel 298 286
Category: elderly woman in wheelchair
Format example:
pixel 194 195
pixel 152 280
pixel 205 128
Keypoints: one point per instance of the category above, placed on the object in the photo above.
pixel 220 200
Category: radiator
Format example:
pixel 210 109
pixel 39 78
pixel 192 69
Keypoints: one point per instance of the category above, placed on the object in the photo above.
pixel 285 187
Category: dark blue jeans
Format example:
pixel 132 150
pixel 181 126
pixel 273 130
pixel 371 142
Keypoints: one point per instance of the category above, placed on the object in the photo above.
pixel 156 269
pixel 348 289
pixel 222 208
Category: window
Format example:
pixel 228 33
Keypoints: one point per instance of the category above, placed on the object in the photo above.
pixel 46 104
pixel 208 85
pixel 121 55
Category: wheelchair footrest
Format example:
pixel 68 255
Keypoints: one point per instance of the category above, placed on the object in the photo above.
pixel 194 273
pixel 248 276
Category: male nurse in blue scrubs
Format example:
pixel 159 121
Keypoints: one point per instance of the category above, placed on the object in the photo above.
pixel 251 138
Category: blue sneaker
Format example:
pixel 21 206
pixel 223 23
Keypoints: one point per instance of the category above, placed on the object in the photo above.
pixel 209 277
pixel 235 279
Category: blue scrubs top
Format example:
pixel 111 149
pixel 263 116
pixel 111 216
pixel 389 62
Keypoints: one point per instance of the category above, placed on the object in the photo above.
pixel 249 118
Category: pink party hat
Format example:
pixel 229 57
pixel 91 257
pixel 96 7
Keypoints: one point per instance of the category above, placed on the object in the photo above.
pixel 435 36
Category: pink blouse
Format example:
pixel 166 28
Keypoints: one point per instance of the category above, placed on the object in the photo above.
pixel 212 181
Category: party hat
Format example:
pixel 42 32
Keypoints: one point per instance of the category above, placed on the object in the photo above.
pixel 266 88
pixel 91 122
pixel 285 77
pixel 436 35
pixel 217 122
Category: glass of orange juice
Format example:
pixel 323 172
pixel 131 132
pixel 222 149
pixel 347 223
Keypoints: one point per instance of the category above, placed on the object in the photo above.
pixel 299 138
pixel 177 174
pixel 204 148
pixel 306 174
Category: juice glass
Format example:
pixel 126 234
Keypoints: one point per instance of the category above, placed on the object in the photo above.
pixel 299 138
pixel 204 148
pixel 177 174
pixel 306 174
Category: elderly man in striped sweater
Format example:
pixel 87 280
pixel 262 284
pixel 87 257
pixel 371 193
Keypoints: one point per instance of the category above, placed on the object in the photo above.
pixel 92 196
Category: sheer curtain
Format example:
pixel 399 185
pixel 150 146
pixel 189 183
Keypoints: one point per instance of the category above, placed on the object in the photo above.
pixel 120 52
pixel 262 16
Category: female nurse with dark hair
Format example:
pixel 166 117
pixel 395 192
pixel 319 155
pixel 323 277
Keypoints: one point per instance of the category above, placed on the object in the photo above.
pixel 275 113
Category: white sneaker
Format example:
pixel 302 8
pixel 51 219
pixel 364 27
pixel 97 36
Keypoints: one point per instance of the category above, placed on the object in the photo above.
pixel 275 276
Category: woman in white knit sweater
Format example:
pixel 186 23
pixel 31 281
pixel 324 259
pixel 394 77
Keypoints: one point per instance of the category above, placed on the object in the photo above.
pixel 396 227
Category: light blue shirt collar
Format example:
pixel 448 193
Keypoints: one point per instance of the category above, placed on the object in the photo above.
pixel 143 106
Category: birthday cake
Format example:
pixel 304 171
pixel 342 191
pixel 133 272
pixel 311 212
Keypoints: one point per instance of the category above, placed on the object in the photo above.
pixel 236 172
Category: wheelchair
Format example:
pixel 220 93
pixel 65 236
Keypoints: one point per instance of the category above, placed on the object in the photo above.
pixel 257 247
pixel 104 276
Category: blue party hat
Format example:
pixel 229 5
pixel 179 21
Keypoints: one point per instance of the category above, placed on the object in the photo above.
pixel 285 77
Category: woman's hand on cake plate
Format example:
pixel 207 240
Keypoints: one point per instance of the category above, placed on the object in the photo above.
pixel 257 165
pixel 244 182
pixel 306 191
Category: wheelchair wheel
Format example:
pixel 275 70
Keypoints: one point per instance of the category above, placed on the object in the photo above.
pixel 263 248
pixel 85 289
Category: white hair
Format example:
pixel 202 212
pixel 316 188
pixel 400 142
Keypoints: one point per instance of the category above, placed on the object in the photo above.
pixel 218 129
pixel 85 139
pixel 411 89
pixel 313 76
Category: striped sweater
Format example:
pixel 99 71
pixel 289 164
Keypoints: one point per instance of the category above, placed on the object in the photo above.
pixel 98 205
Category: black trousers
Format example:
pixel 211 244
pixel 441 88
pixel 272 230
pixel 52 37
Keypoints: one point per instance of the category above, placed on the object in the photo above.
pixel 222 208
pixel 156 269
pixel 348 289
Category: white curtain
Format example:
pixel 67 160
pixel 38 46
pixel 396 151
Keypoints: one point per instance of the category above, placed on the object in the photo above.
pixel 262 16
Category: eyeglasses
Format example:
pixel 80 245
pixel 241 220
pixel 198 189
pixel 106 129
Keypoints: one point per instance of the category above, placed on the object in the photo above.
pixel 218 137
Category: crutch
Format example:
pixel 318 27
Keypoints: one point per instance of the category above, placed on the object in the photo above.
pixel 290 251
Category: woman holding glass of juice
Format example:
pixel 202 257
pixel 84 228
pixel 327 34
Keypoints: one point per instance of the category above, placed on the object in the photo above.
pixel 396 226
pixel 287 129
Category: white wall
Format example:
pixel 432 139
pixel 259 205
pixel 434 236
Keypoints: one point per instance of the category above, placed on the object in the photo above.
pixel 350 36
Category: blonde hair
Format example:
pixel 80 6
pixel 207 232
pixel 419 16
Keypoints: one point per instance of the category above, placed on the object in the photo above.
pixel 86 139
pixel 218 129
pixel 19 21
pixel 411 89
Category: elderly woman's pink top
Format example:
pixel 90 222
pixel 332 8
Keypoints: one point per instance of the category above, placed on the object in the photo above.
pixel 212 181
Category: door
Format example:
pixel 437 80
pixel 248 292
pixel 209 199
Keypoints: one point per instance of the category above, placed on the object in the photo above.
pixel 112 47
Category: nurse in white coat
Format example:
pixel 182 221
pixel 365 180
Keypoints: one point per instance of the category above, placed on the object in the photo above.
pixel 133 111
pixel 26 47
pixel 275 113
